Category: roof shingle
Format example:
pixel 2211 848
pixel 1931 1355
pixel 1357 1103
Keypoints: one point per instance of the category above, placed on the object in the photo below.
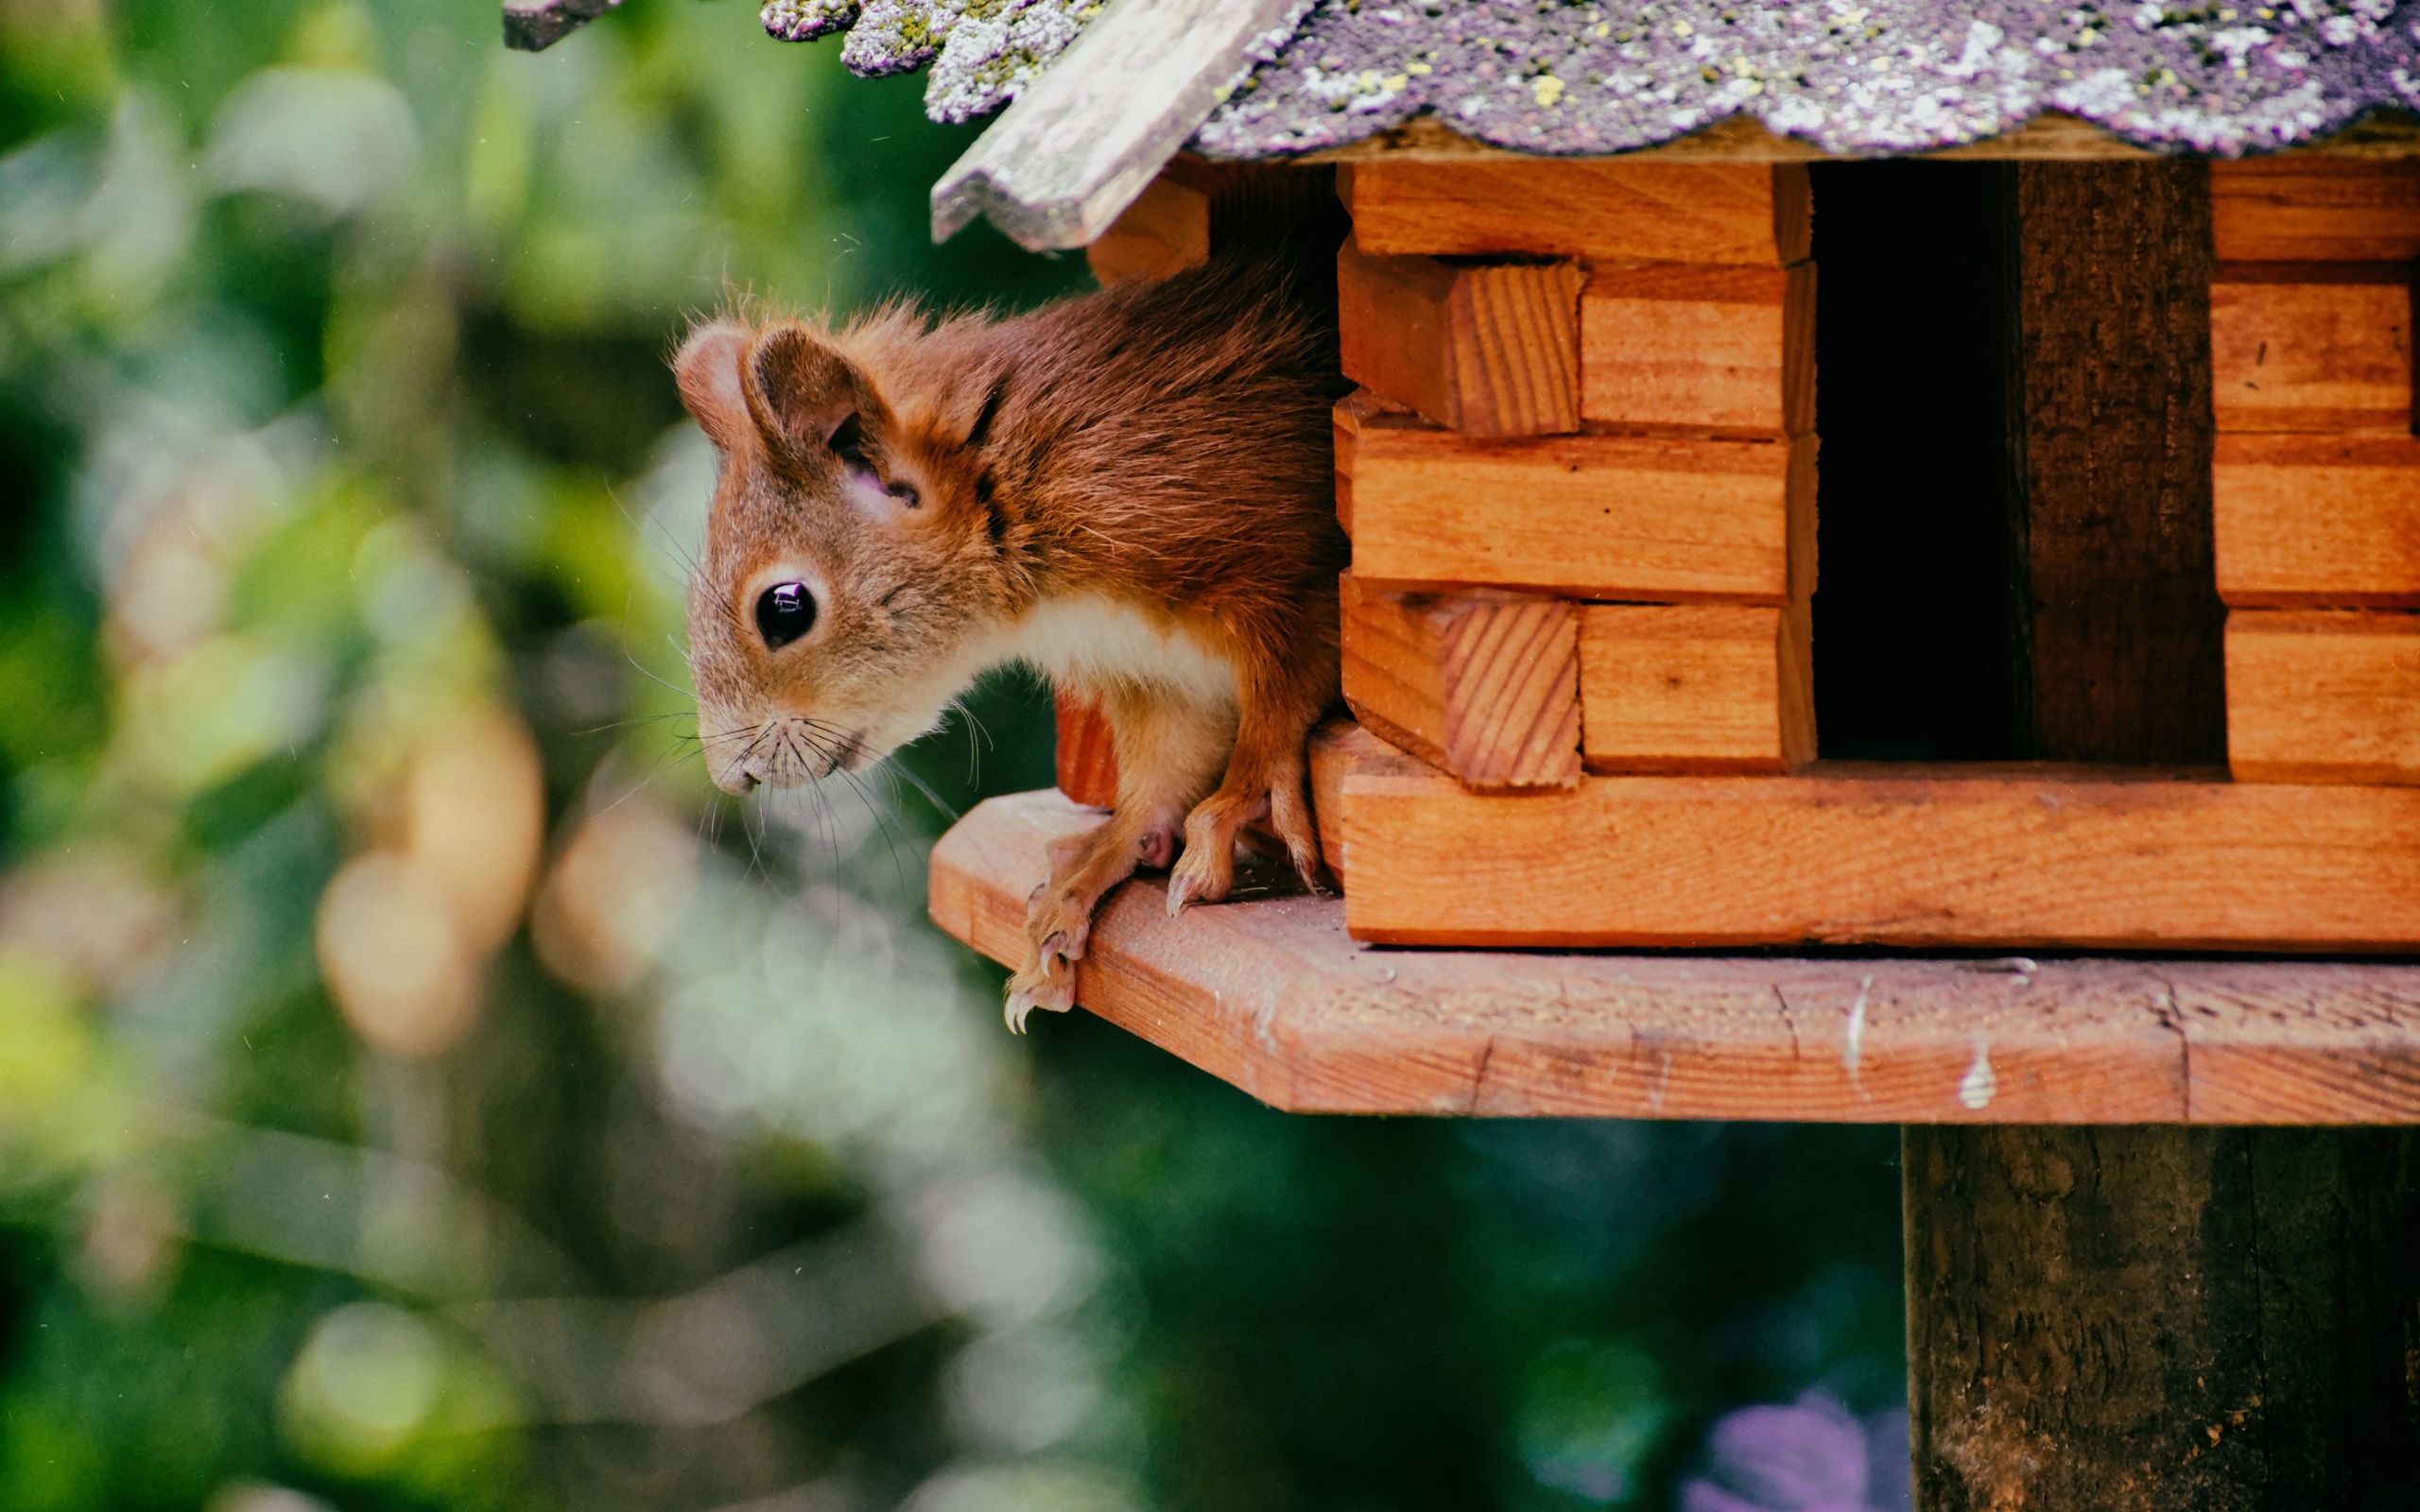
pixel 1853 76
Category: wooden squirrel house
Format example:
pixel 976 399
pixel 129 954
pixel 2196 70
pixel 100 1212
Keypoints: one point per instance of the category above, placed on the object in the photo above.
pixel 1582 641
pixel 1582 478
pixel 1931 641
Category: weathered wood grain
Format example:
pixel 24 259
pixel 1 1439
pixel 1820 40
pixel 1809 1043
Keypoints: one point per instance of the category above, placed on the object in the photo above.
pixel 1485 686
pixel 2290 1051
pixel 2311 347
pixel 2323 696
pixel 2162 1320
pixel 1084 139
pixel 1707 688
pixel 1087 753
pixel 2293 209
pixel 2120 628
pixel 1273 996
pixel 2316 522
pixel 1852 853
pixel 1706 347
pixel 1663 517
pixel 1613 209
pixel 1483 349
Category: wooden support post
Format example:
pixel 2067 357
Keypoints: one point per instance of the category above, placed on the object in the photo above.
pixel 2163 1320
pixel 2148 1319
pixel 2111 436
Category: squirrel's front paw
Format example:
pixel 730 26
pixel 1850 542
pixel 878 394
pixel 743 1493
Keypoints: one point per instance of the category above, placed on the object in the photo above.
pixel 1056 929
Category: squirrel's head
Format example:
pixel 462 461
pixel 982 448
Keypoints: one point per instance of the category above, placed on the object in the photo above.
pixel 850 560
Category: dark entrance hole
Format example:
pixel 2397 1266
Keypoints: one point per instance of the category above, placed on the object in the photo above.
pixel 1916 653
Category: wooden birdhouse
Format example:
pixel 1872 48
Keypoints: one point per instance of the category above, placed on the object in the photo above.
pixel 1872 599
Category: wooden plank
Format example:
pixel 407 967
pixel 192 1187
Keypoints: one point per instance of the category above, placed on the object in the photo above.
pixel 1165 230
pixel 1957 855
pixel 1087 753
pixel 1485 686
pixel 1088 135
pixel 2299 1053
pixel 1271 995
pixel 1661 518
pixel 1340 747
pixel 2321 696
pixel 2120 628
pixel 2311 347
pixel 2316 522
pixel 2295 209
pixel 1707 688
pixel 1487 349
pixel 1710 348
pixel 1740 215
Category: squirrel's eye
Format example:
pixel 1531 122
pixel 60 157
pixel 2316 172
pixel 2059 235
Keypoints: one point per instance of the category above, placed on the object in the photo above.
pixel 784 612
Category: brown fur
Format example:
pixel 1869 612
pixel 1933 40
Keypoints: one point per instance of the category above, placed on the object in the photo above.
pixel 1131 490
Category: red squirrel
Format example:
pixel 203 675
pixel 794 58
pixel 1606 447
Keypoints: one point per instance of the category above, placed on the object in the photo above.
pixel 1130 490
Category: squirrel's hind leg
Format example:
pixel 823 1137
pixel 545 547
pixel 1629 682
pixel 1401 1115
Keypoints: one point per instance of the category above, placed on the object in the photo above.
pixel 1168 754
pixel 1266 779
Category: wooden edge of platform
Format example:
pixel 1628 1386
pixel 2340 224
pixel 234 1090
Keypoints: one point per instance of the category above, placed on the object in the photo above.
pixel 1270 994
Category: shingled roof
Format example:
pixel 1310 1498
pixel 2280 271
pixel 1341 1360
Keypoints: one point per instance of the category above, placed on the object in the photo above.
pixel 1272 78
pixel 1848 76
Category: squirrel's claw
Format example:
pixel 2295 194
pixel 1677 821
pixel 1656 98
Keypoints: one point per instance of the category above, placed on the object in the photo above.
pixel 1049 984
pixel 1049 981
pixel 1186 886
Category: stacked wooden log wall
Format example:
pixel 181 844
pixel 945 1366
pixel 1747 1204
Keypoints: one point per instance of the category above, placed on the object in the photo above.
pixel 1580 476
pixel 2318 472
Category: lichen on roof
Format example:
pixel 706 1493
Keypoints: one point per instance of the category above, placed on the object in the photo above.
pixel 1848 76
pixel 982 52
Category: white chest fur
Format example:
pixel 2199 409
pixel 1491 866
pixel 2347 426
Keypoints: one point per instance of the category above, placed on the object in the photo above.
pixel 1096 639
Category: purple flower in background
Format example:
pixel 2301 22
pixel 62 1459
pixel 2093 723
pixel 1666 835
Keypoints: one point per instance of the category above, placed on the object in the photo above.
pixel 1811 1457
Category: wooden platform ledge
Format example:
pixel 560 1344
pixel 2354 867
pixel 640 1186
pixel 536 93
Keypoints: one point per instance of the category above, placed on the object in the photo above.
pixel 1270 995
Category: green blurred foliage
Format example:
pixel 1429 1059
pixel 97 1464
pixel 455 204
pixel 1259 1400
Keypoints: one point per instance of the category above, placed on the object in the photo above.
pixel 334 422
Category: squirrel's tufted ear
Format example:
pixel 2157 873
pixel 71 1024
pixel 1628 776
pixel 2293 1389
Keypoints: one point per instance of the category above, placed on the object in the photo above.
pixel 712 384
pixel 802 391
